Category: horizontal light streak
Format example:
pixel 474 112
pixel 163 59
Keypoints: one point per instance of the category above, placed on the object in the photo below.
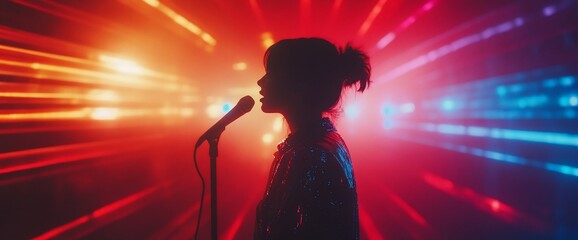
pixel 496 156
pixel 61 154
pixel 500 133
pixel 103 60
pixel 102 95
pixel 96 113
pixel 44 71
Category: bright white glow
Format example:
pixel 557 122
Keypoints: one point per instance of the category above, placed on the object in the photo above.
pixel 573 101
pixel 500 133
pixel 104 113
pixel 104 95
pixel 384 41
pixel 549 11
pixel 187 112
pixel 278 124
pixel 122 65
pixel 267 138
pixel 351 111
pixel 214 110
pixel 240 66
pixel 407 108
pixel 448 104
pixel 153 3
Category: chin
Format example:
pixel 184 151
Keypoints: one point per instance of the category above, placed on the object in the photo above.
pixel 266 108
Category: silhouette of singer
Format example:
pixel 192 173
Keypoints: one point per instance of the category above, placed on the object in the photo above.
pixel 311 191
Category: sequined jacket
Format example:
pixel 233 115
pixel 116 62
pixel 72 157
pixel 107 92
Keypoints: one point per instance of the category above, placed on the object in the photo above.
pixel 311 191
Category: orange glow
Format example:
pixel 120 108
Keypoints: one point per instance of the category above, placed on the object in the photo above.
pixel 240 66
pixel 122 65
pixel 118 64
pixel 267 39
pixel 75 114
pixel 267 138
pixel 214 111
pixel 44 54
pixel 41 95
pixel 278 124
pixel 103 95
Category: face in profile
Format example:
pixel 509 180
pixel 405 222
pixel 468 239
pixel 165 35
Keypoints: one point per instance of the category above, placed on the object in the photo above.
pixel 276 97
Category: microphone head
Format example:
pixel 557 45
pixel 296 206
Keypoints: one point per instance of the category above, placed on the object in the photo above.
pixel 245 104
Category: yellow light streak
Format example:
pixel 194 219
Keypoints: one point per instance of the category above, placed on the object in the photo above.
pixel 103 77
pixel 103 95
pixel 122 65
pixel 93 95
pixel 75 114
pixel 105 61
pixel 182 21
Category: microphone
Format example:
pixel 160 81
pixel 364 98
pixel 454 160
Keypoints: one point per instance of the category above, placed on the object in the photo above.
pixel 244 105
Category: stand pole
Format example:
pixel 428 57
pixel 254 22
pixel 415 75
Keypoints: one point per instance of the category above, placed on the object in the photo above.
pixel 213 152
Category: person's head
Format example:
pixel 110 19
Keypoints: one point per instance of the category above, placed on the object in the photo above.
pixel 307 75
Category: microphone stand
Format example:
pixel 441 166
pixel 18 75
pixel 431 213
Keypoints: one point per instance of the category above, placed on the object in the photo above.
pixel 213 139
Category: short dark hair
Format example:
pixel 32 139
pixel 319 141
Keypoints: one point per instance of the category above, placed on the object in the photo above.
pixel 320 66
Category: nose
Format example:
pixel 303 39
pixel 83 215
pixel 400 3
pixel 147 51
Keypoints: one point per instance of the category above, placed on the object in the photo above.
pixel 261 81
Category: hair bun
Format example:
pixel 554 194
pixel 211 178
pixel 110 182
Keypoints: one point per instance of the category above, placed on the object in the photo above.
pixel 355 68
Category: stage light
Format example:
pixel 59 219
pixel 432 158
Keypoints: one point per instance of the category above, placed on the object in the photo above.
pixel 388 110
pixel 407 108
pixel 385 40
pixel 549 11
pixel 351 111
pixel 567 81
pixel 448 104
pixel 227 107
pixel 182 21
pixel 278 124
pixel 104 95
pixel 267 138
pixel 240 66
pixel 267 40
pixel 104 113
pixel 122 65
pixel 187 112
pixel 214 111
pixel 573 100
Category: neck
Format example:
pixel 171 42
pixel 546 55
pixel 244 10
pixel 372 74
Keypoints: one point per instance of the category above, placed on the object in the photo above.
pixel 301 121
